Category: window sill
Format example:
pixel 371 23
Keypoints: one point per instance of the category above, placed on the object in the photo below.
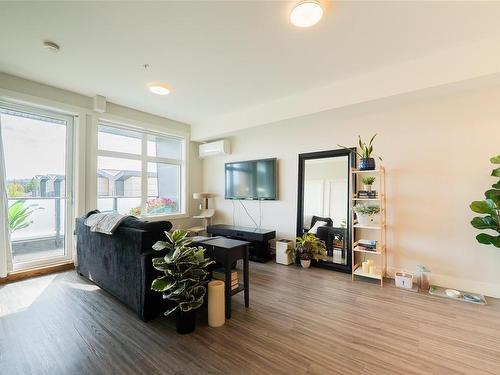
pixel 165 217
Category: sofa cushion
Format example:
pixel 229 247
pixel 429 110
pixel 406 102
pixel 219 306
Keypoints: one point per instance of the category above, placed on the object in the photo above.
pixel 148 226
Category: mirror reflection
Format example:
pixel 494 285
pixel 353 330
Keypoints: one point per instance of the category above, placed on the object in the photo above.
pixel 326 204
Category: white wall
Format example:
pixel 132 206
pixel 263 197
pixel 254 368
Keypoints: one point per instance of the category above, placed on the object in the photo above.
pixel 436 150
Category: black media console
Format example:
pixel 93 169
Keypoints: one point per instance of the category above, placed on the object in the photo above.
pixel 258 238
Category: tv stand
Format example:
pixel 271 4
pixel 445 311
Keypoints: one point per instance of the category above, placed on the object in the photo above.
pixel 258 238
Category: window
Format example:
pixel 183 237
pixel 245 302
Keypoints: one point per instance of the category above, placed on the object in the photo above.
pixel 38 154
pixel 139 173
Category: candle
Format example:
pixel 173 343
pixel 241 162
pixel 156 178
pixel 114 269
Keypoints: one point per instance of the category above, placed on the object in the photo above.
pixel 365 266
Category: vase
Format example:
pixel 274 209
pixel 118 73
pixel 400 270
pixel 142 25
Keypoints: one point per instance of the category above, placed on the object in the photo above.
pixel 185 321
pixel 305 263
pixel 366 164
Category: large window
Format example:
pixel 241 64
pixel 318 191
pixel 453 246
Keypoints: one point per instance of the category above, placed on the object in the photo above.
pixel 38 154
pixel 139 173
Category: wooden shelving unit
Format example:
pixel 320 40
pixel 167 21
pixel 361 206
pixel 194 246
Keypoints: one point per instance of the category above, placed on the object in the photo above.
pixel 372 232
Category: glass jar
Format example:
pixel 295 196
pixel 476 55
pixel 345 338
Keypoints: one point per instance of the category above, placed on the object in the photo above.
pixel 424 275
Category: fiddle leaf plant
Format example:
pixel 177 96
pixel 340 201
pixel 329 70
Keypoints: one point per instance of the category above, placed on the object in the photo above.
pixel 184 269
pixel 490 207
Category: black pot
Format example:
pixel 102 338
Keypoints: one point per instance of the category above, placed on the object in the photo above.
pixel 366 164
pixel 185 321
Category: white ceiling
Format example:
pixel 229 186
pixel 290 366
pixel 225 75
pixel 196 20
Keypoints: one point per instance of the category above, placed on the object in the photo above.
pixel 227 61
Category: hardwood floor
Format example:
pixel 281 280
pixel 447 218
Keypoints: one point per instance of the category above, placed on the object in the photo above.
pixel 299 322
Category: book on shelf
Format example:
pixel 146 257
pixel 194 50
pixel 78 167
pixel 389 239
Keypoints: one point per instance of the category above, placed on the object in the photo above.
pixel 367 194
pixel 368 245
pixel 220 274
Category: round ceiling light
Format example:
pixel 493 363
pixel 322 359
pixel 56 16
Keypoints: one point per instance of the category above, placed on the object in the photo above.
pixel 306 13
pixel 159 88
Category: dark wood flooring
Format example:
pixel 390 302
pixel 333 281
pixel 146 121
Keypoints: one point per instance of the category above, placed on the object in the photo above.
pixel 299 322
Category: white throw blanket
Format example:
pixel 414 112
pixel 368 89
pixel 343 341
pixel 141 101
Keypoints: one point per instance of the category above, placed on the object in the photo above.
pixel 105 222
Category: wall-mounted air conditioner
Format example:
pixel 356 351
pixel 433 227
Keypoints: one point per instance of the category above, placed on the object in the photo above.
pixel 221 147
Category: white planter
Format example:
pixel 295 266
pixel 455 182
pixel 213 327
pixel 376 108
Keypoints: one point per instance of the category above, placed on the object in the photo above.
pixel 368 219
pixel 305 263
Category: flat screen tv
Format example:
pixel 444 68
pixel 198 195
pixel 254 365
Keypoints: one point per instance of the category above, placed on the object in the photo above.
pixel 254 179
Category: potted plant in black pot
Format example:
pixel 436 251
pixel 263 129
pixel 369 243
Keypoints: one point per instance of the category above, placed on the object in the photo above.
pixel 184 269
pixel 365 151
pixel 306 248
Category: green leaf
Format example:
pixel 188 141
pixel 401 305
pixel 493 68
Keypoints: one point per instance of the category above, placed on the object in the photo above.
pixel 496 186
pixel 484 207
pixel 495 159
pixel 487 239
pixel 172 310
pixel 496 172
pixel 162 283
pixel 192 305
pixel 161 245
pixel 494 195
pixel 486 222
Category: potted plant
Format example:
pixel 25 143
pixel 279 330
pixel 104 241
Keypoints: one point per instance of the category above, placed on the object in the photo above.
pixel 366 214
pixel 306 248
pixel 367 182
pixel 184 269
pixel 491 208
pixel 366 162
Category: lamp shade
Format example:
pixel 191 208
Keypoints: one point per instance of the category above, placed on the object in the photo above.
pixel 202 195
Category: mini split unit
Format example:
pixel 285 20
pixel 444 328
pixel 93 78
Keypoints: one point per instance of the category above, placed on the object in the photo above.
pixel 221 147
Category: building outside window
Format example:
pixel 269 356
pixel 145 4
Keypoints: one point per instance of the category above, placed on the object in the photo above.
pixel 140 173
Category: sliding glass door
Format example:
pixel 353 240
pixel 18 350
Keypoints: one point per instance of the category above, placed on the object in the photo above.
pixel 38 161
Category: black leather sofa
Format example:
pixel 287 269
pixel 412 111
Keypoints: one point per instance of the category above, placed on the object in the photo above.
pixel 121 263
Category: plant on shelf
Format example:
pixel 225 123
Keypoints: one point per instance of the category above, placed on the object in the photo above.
pixel 366 214
pixel 184 269
pixel 491 208
pixel 366 162
pixel 368 181
pixel 19 215
pixel 306 248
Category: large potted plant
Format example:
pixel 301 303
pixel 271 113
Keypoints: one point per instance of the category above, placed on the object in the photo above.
pixel 306 248
pixel 366 214
pixel 365 151
pixel 490 207
pixel 184 269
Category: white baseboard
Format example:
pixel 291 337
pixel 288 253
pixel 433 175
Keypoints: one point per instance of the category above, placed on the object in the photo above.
pixel 487 289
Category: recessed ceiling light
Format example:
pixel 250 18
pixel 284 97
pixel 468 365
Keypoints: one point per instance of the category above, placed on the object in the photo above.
pixel 306 13
pixel 51 46
pixel 159 88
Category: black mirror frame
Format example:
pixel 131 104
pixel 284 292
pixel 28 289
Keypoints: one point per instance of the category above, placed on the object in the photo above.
pixel 300 200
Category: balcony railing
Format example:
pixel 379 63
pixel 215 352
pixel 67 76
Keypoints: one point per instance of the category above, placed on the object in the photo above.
pixel 43 235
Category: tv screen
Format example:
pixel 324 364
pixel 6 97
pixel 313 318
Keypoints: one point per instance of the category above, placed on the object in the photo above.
pixel 255 179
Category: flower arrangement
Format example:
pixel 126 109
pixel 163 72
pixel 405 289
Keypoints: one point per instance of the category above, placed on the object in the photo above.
pixel 156 206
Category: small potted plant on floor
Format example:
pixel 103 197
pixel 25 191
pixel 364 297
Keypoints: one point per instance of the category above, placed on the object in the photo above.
pixel 366 214
pixel 184 269
pixel 365 151
pixel 307 247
